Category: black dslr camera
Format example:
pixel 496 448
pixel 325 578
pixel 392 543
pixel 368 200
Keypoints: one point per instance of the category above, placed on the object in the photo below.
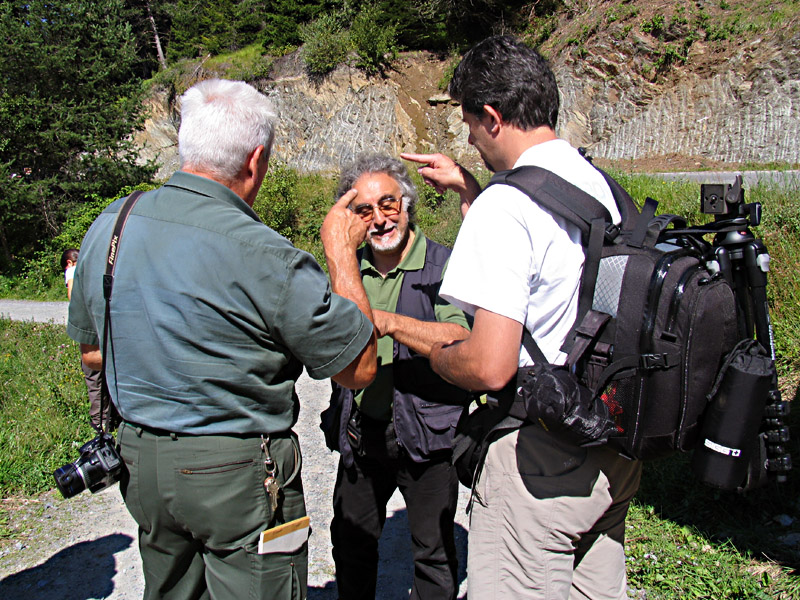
pixel 98 467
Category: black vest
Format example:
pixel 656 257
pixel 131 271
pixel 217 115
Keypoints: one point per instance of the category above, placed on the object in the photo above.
pixel 425 407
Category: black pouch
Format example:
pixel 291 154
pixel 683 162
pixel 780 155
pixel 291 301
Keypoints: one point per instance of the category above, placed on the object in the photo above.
pixel 354 430
pixel 729 434
pixel 553 397
pixel 476 429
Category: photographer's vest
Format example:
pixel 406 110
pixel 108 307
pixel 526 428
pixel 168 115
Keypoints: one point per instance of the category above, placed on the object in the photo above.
pixel 425 407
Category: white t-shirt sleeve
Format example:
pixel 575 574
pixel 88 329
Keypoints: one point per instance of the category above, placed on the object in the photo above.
pixel 491 262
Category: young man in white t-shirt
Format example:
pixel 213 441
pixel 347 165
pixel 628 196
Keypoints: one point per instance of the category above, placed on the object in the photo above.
pixel 548 518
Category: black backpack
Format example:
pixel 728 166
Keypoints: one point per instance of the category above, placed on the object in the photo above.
pixel 653 328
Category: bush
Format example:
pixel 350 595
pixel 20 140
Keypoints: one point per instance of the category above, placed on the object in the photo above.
pixel 325 45
pixel 44 268
pixel 276 203
pixel 374 41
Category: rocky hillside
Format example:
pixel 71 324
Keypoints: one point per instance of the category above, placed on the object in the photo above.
pixel 646 83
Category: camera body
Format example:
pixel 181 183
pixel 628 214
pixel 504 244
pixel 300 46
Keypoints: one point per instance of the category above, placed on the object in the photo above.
pixel 98 466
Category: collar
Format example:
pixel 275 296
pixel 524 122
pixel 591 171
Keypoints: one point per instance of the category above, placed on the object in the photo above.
pixel 413 261
pixel 210 189
pixel 538 153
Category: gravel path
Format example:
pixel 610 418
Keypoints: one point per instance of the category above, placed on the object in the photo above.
pixel 86 548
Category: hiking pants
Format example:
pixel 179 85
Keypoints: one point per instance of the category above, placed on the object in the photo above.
pixel 200 504
pixel 548 520
pixel 430 490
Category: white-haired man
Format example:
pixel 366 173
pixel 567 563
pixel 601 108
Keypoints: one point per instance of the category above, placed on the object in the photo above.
pixel 212 319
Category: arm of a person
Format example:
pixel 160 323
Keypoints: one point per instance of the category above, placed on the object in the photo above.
pixel 341 233
pixel 69 288
pixel 487 359
pixel 418 335
pixel 91 356
pixel 443 173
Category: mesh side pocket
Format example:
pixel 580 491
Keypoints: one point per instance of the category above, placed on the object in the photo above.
pixel 622 399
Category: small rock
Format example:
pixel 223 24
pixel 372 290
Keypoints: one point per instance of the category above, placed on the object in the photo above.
pixel 791 539
pixel 784 520
pixel 439 99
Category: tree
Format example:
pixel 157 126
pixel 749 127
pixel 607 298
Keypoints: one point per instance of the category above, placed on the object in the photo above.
pixel 69 98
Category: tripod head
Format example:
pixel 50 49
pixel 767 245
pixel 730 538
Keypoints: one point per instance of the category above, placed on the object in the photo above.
pixel 744 262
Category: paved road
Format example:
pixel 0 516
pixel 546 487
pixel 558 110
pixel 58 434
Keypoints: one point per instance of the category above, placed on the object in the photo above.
pixel 85 547
pixel 41 312
pixel 785 179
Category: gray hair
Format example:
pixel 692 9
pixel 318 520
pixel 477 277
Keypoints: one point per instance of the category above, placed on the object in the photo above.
pixel 222 122
pixel 380 163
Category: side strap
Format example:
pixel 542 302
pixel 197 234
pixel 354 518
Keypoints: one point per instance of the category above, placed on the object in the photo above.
pixel 643 223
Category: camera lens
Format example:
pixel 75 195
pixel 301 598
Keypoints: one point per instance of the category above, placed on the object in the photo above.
pixel 69 480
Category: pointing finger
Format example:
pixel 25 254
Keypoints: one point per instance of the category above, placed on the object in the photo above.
pixel 347 198
pixel 418 158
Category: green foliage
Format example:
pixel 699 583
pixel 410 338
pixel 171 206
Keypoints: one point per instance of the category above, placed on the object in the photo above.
pixel 69 97
pixel 374 40
pixel 276 203
pixel 327 41
pixel 284 21
pixel 201 27
pixel 325 44
pixel 447 75
pixel 580 40
pixel 654 25
pixel 247 64
pixel 44 409
pixel 540 28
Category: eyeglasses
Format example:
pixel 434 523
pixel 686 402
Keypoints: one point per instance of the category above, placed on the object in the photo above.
pixel 388 206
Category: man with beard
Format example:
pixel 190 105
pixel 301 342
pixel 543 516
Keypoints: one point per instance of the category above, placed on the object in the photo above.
pixel 548 516
pixel 398 431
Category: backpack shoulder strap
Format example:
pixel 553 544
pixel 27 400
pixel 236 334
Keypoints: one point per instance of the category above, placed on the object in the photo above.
pixel 625 204
pixel 558 196
pixel 583 210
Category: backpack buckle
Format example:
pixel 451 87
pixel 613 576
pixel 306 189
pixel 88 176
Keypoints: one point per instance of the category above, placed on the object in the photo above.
pixel 612 231
pixel 657 361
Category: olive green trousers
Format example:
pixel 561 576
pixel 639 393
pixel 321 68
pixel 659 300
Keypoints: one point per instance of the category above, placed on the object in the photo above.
pixel 200 503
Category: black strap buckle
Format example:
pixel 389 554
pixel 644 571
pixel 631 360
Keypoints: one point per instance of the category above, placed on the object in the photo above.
pixel 657 361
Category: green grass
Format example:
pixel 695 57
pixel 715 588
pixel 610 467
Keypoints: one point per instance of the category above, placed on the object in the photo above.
pixel 684 539
pixel 44 409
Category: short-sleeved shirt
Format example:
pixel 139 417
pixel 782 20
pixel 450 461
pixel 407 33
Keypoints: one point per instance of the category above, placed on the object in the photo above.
pixel 515 259
pixel 383 293
pixel 213 314
pixel 69 273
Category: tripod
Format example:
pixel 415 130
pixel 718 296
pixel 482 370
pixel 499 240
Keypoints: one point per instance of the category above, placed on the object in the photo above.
pixel 744 262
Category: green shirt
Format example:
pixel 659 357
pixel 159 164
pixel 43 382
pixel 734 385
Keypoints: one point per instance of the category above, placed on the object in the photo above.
pixel 213 314
pixel 383 293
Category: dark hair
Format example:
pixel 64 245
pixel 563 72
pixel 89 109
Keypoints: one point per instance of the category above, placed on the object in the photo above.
pixel 510 77
pixel 380 163
pixel 68 254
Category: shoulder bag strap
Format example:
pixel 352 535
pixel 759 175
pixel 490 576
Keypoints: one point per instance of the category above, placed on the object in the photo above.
pixel 108 284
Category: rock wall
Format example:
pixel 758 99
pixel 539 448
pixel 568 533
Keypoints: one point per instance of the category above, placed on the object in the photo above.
pixel 746 109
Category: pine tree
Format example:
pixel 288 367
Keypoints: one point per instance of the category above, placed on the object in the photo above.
pixel 69 97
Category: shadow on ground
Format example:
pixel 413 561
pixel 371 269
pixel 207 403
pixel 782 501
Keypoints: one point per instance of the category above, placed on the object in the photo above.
pixel 395 566
pixel 84 570
pixel 764 522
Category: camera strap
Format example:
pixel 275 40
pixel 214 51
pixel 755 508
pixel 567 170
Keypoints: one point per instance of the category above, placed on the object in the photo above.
pixel 108 284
